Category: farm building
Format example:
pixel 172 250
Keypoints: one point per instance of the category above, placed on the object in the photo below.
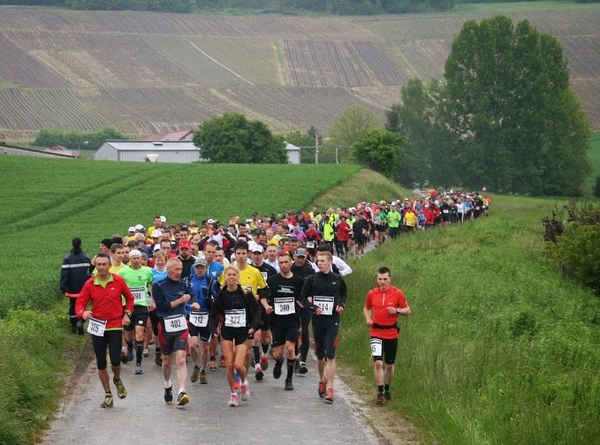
pixel 56 148
pixel 163 151
pixel 185 135
pixel 183 152
pixel 10 150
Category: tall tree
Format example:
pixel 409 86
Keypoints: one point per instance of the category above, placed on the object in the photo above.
pixel 508 105
pixel 351 124
pixel 378 150
pixel 231 138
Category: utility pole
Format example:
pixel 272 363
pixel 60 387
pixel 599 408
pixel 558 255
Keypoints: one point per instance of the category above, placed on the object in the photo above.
pixel 316 146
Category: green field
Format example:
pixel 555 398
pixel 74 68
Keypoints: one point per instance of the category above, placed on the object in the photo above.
pixel 499 349
pixel 511 7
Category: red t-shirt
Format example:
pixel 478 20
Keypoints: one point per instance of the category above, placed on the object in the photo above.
pixel 379 301
pixel 107 302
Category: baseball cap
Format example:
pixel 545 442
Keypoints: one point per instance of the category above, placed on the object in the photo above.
pixel 131 229
pixel 185 244
pixel 135 252
pixel 200 262
pixel 258 248
pixel 163 218
pixel 138 227
pixel 300 252
pixel 210 221
pixel 156 233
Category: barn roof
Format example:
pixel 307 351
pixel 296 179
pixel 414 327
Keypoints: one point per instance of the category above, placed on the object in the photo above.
pixel 154 146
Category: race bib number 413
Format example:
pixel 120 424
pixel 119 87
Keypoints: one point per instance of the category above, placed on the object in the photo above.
pixel 325 303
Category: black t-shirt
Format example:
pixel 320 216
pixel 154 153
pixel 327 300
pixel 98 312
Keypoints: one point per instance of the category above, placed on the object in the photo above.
pixel 267 270
pixel 285 293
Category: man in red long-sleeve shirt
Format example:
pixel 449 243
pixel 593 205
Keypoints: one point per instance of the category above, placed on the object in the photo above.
pixel 112 304
pixel 383 306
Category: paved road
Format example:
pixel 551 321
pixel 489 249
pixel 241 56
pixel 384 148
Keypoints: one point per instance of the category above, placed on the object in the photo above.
pixel 272 415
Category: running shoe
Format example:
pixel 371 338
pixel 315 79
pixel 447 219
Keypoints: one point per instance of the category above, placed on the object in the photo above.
pixel 195 374
pixel 121 391
pixel 145 353
pixel 380 399
pixel 222 362
pixel 245 390
pixel 296 366
pixel 289 386
pixel 213 364
pixel 258 373
pixel 388 396
pixel 108 401
pixel 157 358
pixel 182 399
pixel 233 400
pixel 238 381
pixel 329 395
pixel 302 369
pixel 203 380
pixel 277 369
pixel 130 354
pixel 138 369
pixel 322 389
pixel 80 327
pixel 123 357
pixel 169 395
pixel 264 362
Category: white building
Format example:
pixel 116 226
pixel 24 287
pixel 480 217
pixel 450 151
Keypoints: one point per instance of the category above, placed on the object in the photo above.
pixel 183 152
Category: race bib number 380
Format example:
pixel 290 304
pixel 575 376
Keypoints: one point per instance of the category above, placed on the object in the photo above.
pixel 284 305
pixel 325 303
pixel 235 318
pixel 175 323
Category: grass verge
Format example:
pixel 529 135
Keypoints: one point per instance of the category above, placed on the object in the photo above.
pixel 499 349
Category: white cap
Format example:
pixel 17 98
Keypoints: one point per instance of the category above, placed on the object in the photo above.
pixel 131 229
pixel 163 218
pixel 135 252
pixel 156 233
pixel 138 227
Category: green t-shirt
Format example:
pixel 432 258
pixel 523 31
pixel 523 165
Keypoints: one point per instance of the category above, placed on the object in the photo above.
pixel 394 219
pixel 138 281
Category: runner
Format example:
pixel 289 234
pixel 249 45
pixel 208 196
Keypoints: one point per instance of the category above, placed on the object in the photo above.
pixel 201 288
pixel 325 293
pixel 105 292
pixel 171 296
pixel 75 271
pixel 241 314
pixel 139 279
pixel 282 306
pixel 382 307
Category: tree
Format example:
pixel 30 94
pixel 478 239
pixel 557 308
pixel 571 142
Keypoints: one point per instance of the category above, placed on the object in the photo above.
pixel 231 138
pixel 415 118
pixel 378 150
pixel 351 125
pixel 515 122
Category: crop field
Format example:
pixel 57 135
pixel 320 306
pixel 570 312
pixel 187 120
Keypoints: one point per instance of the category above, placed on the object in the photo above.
pixel 146 73
pixel 94 200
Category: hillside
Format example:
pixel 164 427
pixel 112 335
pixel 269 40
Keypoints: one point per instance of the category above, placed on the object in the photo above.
pixel 146 73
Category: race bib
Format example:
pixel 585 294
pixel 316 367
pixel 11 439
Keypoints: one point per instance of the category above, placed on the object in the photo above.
pixel 284 306
pixel 96 327
pixel 376 347
pixel 310 245
pixel 248 289
pixel 175 323
pixel 235 318
pixel 445 210
pixel 325 303
pixel 139 294
pixel 199 318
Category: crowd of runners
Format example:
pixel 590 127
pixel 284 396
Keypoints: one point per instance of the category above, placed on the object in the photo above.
pixel 251 286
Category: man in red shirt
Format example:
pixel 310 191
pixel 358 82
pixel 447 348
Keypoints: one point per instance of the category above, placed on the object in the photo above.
pixel 112 304
pixel 383 306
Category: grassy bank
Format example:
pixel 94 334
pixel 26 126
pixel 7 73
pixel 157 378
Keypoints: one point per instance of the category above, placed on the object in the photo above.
pixel 499 349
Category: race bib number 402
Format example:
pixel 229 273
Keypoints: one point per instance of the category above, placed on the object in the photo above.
pixel 325 303
pixel 175 323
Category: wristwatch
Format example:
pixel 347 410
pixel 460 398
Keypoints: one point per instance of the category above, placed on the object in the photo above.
pixel 128 312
